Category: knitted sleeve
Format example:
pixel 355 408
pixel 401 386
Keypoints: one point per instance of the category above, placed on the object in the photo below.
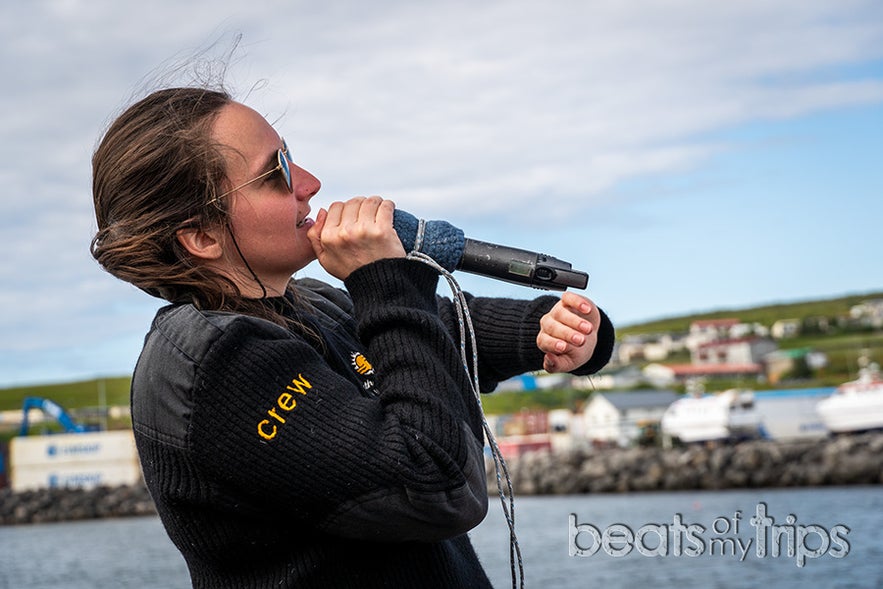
pixel 506 332
pixel 277 426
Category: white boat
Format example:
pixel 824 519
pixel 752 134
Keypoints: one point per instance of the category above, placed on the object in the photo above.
pixel 729 415
pixel 856 405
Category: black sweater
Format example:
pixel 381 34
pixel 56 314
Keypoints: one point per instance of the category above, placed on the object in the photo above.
pixel 279 459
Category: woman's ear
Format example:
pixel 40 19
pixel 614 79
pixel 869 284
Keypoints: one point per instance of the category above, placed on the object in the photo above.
pixel 202 244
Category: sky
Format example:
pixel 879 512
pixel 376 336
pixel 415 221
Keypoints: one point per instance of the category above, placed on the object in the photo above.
pixel 688 155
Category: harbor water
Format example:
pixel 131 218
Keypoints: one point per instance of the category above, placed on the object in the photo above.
pixel 809 537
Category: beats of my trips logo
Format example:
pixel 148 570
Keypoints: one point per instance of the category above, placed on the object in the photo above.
pixel 726 536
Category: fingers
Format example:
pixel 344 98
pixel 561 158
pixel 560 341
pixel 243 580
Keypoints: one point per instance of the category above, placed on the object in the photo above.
pixel 344 215
pixel 567 333
pixel 577 302
pixel 360 215
pixel 560 342
pixel 570 321
pixel 353 233
pixel 385 213
pixel 550 364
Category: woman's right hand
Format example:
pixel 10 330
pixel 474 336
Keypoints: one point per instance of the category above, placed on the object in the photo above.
pixel 354 233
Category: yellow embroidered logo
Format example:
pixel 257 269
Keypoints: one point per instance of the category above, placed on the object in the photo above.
pixel 361 364
pixel 285 403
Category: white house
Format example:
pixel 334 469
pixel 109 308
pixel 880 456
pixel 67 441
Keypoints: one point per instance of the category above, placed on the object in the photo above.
pixel 625 377
pixel 664 375
pixel 652 348
pixel 709 330
pixel 749 350
pixel 868 312
pixel 619 416
pixel 785 328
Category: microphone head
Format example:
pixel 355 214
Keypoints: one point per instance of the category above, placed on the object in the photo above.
pixel 441 241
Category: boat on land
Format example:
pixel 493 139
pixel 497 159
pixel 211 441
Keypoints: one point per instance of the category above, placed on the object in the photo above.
pixel 856 405
pixel 730 415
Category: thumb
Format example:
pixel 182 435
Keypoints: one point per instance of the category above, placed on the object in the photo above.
pixel 315 232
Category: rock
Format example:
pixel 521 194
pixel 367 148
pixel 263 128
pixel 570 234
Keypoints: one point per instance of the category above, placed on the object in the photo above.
pixel 839 460
pixel 67 504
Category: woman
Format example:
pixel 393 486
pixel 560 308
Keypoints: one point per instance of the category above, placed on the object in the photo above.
pixel 293 434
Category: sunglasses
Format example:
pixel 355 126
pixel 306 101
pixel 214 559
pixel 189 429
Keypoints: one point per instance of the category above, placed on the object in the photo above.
pixel 283 159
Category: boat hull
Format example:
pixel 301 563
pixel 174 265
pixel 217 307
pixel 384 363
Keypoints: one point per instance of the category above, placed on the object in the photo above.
pixel 852 413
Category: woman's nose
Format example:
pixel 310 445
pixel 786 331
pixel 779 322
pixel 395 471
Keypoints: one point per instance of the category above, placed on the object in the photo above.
pixel 305 184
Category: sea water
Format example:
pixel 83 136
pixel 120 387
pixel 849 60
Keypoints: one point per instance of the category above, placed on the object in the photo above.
pixel 816 537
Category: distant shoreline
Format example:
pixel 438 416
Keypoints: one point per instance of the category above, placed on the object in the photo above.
pixel 836 461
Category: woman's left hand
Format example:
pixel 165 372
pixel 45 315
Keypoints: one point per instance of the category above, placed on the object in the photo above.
pixel 568 333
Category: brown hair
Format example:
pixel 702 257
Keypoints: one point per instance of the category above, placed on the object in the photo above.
pixel 154 172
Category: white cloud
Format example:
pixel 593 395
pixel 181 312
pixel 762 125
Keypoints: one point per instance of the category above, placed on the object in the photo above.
pixel 517 90
pixel 478 107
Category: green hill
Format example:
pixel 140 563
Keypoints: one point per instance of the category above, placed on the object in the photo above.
pixel 71 395
pixel 765 315
pixel 827 328
pixel 841 345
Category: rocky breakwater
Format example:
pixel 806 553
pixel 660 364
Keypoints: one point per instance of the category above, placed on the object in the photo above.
pixel 66 504
pixel 843 460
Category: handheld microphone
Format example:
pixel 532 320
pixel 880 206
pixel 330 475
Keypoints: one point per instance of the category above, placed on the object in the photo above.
pixel 449 247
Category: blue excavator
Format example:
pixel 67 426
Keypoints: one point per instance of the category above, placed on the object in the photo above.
pixel 54 410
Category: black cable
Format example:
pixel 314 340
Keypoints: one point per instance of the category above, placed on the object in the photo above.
pixel 247 265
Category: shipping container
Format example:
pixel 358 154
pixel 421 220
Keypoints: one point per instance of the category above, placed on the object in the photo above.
pixel 82 460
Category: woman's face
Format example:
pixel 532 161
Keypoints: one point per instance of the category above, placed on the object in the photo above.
pixel 269 223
